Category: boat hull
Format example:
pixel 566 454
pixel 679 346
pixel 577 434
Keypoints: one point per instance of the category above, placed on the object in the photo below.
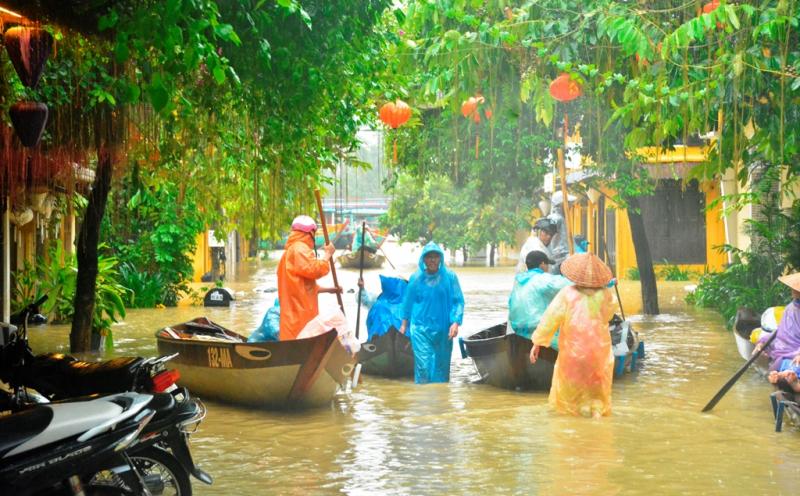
pixel 503 360
pixel 388 355
pixel 301 373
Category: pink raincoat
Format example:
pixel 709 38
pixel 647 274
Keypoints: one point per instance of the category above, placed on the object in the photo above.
pixel 584 369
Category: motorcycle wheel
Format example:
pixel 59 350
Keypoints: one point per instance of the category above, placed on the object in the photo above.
pixel 163 475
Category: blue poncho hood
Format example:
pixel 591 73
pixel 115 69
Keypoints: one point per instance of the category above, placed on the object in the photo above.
pixel 431 247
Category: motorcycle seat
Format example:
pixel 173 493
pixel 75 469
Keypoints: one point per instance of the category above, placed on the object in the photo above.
pixel 63 376
pixel 163 404
pixel 21 427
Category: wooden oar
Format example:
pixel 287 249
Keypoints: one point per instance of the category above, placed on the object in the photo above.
pixel 325 233
pixel 616 288
pixel 360 277
pixel 738 374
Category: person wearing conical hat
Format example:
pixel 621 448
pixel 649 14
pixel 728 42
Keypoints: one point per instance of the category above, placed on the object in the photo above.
pixel 784 352
pixel 584 369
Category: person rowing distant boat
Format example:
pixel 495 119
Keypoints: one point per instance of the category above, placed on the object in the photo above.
pixel 298 271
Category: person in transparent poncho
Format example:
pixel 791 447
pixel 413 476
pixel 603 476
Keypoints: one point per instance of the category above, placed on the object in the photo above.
pixel 584 369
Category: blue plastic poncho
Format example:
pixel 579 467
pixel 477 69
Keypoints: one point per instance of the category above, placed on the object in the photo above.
pixel 270 327
pixel 387 310
pixel 432 303
pixel 532 293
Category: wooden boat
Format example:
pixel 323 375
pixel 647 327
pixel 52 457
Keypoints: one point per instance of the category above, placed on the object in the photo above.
pixel 503 360
pixel 746 320
pixel 388 355
pixel 352 260
pixel 218 363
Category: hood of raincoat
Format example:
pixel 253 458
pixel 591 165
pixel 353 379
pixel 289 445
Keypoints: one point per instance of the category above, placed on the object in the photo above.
pixel 393 288
pixel 523 277
pixel 300 237
pixel 431 247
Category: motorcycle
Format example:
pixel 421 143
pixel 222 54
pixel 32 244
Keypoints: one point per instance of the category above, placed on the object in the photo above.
pixel 163 453
pixel 59 448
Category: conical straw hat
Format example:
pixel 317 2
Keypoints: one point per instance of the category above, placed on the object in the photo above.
pixel 791 280
pixel 586 270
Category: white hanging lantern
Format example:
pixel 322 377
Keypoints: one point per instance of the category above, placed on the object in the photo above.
pixel 544 206
pixel 37 201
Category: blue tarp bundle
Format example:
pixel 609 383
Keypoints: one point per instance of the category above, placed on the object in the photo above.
pixel 387 309
pixel 270 327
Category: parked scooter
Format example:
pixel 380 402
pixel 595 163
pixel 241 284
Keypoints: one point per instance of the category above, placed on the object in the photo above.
pixel 60 448
pixel 162 454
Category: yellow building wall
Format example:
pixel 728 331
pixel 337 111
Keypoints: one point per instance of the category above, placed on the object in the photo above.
pixel 625 251
pixel 201 258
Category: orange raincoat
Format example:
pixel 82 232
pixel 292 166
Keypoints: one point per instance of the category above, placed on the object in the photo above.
pixel 584 368
pixel 298 272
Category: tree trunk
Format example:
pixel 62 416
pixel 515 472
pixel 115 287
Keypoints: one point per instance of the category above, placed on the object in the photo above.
pixel 644 259
pixel 464 251
pixel 491 255
pixel 88 239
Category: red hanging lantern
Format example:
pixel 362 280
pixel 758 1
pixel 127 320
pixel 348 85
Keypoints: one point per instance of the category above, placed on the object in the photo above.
pixel 564 89
pixel 470 110
pixel 28 48
pixel 395 114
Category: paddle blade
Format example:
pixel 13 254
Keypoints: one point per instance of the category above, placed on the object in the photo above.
pixel 737 375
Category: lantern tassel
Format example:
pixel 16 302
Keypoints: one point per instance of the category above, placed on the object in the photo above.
pixel 394 155
pixel 477 145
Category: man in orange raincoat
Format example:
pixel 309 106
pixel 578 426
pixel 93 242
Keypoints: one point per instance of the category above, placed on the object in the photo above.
pixel 298 272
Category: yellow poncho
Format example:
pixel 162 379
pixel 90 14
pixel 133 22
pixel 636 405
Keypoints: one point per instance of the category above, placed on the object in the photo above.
pixel 584 369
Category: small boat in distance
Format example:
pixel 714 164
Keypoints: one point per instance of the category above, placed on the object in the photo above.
pixel 352 260
pixel 218 363
pixel 388 355
pixel 503 360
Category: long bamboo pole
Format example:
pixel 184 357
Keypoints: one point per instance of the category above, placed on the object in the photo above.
pixel 562 171
pixel 327 241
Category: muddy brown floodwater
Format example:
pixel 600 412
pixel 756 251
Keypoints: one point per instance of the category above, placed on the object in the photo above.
pixel 393 437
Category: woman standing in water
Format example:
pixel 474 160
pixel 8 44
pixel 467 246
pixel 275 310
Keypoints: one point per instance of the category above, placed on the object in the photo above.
pixel 584 368
pixel 434 305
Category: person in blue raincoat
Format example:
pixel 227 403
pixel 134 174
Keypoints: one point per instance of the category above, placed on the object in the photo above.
pixel 580 243
pixel 533 291
pixel 433 308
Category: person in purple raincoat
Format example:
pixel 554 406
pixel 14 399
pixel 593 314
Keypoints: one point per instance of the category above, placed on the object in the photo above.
pixel 784 352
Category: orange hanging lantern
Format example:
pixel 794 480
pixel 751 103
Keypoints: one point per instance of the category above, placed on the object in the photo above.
pixel 564 89
pixel 395 114
pixel 710 6
pixel 470 110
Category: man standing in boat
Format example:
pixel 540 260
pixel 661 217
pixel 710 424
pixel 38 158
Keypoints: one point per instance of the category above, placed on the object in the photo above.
pixel 298 271
pixel 434 306
pixel 539 240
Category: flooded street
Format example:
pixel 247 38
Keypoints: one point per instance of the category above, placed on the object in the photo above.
pixel 392 437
